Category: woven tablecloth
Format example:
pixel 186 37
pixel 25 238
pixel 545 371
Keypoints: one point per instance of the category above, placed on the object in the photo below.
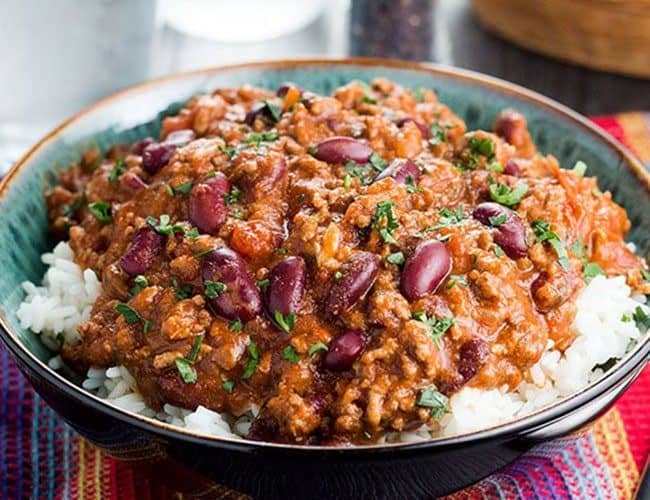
pixel 40 457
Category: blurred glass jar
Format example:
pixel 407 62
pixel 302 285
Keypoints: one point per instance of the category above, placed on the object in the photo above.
pixel 240 21
pixel 59 56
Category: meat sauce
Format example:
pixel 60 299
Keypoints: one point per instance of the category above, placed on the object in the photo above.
pixel 342 263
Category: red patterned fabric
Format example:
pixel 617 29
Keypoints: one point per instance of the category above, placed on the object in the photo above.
pixel 40 457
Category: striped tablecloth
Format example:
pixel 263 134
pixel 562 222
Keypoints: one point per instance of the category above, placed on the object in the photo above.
pixel 40 457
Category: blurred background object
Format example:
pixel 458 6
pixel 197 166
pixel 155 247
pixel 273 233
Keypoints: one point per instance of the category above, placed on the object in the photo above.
pixel 60 55
pixel 601 34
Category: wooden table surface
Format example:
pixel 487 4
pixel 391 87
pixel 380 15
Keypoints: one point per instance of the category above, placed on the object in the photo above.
pixel 456 39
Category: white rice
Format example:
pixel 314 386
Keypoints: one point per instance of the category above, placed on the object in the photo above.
pixel 65 299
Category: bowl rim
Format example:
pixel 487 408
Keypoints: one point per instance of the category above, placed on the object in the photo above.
pixel 523 425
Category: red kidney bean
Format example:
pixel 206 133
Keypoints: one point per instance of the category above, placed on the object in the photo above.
pixel 511 126
pixel 472 356
pixel 424 130
pixel 207 205
pixel 358 275
pixel 241 299
pixel 401 170
pixel 510 235
pixel 145 245
pixel 139 146
pixel 340 149
pixel 425 269
pixel 156 155
pixel 257 109
pixel 284 88
pixel 286 286
pixel 180 137
pixel 344 350
pixel 512 168
pixel 132 181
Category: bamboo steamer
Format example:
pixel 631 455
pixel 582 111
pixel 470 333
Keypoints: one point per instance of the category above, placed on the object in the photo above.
pixel 609 35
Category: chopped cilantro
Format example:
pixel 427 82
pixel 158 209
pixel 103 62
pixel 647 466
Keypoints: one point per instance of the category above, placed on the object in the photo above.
pixel 646 274
pixel 71 209
pixel 233 196
pixel 368 100
pixel 228 386
pixel 503 194
pixel 485 147
pixel 378 162
pixel 214 288
pixel 237 214
pixel 641 318
pixel 418 94
pixel 318 346
pixel 580 168
pixel 196 348
pixel 257 138
pixel 396 258
pixel 101 211
pixel 139 283
pixel 591 270
pixel 186 371
pixel 236 326
pixel 182 292
pixel 498 251
pixel 626 318
pixel 429 397
pixel 384 212
pixel 132 316
pixel 253 361
pixel 411 186
pixel 495 166
pixel 117 170
pixel 439 326
pixel 230 151
pixel 274 110
pixel 438 134
pixel 290 354
pixel 262 284
pixel 543 234
pixel 362 172
pixel 497 220
pixel 456 279
pixel 183 188
pixel 285 322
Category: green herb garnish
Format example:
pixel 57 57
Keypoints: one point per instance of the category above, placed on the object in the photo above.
pixel 543 234
pixel 498 251
pixel 641 318
pixel 495 166
pixel 186 370
pixel 456 279
pixel 233 196
pixel 131 316
pixel 368 100
pixel 196 348
pixel 503 194
pixel 286 322
pixel 290 354
pixel 580 168
pixel 230 151
pixel 347 181
pixel 439 326
pixel 318 346
pixel 384 212
pixel 438 135
pixel 262 284
pixel 274 110
pixel 485 147
pixel 258 138
pixel 101 211
pixel 69 210
pixel 117 170
pixel 182 292
pixel 228 386
pixel 377 162
pixel 396 258
pixel 411 186
pixel 183 188
pixel 429 397
pixel 213 288
pixel 253 361
pixel 139 283
pixel 591 270
pixel 497 220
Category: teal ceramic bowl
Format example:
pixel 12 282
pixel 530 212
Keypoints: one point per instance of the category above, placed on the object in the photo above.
pixel 264 469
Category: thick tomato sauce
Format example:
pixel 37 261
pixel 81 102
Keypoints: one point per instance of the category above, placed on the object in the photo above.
pixel 390 281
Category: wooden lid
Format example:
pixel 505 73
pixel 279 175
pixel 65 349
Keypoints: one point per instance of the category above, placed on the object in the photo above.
pixel 609 35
